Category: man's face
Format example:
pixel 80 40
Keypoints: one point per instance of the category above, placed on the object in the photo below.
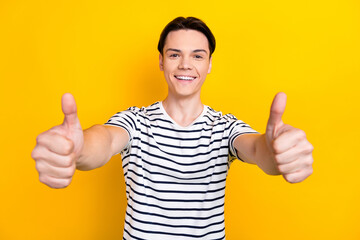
pixel 185 62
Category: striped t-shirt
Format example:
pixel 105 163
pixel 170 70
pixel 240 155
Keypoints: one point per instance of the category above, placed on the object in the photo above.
pixel 175 176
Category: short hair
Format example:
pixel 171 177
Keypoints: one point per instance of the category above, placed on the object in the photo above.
pixel 192 23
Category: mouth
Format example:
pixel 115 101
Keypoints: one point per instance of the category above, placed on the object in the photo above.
pixel 185 77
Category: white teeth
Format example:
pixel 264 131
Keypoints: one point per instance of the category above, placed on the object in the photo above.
pixel 184 78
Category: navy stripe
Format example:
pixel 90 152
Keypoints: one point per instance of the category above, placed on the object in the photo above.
pixel 174 226
pixel 175 138
pixel 184 172
pixel 160 173
pixel 171 176
pixel 178 217
pixel 184 156
pixel 155 114
pixel 192 147
pixel 156 119
pixel 185 147
pixel 176 191
pixel 174 234
pixel 175 209
pixel 175 200
pixel 211 124
pixel 130 124
pixel 137 238
pixel 179 155
pixel 152 109
pixel 211 120
pixel 184 130
pixel 144 117
pixel 172 182
pixel 178 163
pixel 132 236
pixel 184 139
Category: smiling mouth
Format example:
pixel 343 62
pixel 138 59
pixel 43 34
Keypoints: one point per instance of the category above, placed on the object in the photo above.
pixel 185 78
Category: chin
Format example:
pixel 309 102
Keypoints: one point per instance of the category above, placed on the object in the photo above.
pixel 185 94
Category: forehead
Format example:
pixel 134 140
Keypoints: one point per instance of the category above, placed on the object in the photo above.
pixel 182 39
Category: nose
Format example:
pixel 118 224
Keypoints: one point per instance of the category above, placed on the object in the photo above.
pixel 185 63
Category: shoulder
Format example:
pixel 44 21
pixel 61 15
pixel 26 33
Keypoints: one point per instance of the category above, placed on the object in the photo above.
pixel 143 111
pixel 218 116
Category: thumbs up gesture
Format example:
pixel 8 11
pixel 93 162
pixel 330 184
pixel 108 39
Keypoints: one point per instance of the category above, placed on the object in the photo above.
pixel 290 149
pixel 57 149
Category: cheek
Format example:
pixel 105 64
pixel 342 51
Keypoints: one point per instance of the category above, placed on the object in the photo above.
pixel 203 69
pixel 169 66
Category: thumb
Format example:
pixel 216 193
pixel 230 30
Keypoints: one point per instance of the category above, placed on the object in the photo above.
pixel 69 109
pixel 276 112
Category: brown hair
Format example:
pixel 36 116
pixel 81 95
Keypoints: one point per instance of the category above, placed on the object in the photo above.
pixel 187 23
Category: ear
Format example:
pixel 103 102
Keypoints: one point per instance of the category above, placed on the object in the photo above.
pixel 210 65
pixel 161 62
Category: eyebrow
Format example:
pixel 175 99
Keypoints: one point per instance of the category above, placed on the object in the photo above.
pixel 178 50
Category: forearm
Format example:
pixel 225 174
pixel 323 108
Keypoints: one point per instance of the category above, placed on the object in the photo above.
pixel 252 148
pixel 263 157
pixel 96 150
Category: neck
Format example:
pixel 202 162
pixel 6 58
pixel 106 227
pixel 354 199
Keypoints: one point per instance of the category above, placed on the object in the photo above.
pixel 184 110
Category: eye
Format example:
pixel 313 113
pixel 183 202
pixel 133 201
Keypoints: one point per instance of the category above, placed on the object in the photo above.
pixel 174 55
pixel 198 56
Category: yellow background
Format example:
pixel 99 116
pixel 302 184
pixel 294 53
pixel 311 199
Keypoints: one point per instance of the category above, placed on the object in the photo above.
pixel 104 53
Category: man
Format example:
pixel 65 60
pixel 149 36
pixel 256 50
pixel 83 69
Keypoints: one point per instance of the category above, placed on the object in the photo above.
pixel 176 152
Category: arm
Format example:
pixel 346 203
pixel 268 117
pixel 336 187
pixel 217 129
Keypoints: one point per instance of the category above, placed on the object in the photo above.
pixel 100 144
pixel 283 149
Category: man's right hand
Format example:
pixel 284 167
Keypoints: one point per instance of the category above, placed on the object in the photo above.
pixel 58 149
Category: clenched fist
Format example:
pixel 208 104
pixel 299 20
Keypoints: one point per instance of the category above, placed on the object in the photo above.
pixel 57 149
pixel 291 151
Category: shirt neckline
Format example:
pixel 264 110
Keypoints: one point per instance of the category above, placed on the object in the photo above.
pixel 162 109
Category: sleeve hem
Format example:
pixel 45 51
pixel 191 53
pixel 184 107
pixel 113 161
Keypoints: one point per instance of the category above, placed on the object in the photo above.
pixel 233 149
pixel 128 132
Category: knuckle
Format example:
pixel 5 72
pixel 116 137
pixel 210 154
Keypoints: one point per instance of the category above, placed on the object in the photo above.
pixel 39 138
pixel 281 168
pixel 310 162
pixel 43 178
pixel 66 182
pixel 69 172
pixel 42 137
pixel 59 185
pixel 73 169
pixel 310 148
pixel 292 178
pixel 277 159
pixel 38 167
pixel 302 134
pixel 68 161
pixel 54 183
pixel 35 154
pixel 276 147
pixel 68 147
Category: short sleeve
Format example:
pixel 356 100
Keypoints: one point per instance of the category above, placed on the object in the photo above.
pixel 127 120
pixel 237 128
